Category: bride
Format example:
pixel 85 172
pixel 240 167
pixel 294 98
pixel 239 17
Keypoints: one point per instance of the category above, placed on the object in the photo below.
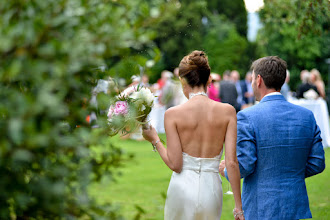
pixel 196 132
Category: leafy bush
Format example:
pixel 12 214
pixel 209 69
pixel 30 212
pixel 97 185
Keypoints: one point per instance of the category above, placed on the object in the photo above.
pixel 49 54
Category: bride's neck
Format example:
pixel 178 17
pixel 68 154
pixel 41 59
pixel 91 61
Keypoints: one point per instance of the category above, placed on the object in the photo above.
pixel 198 89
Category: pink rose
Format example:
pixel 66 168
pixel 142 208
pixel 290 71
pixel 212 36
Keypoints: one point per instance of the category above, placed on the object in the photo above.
pixel 121 108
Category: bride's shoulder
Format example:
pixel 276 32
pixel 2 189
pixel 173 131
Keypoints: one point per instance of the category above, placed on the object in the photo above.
pixel 226 108
pixel 172 110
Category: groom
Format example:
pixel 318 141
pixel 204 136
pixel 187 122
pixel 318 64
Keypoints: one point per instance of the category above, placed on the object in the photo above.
pixel 278 146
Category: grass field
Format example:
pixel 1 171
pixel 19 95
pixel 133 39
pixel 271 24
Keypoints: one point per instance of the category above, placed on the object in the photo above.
pixel 144 180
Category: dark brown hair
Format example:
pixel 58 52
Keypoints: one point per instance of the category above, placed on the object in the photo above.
pixel 195 68
pixel 272 69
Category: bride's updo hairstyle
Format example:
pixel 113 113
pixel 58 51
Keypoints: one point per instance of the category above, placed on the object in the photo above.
pixel 195 69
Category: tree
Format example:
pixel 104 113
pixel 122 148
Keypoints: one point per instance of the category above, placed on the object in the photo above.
pixel 179 30
pixel 50 53
pixel 234 10
pixel 297 31
pixel 185 26
pixel 226 49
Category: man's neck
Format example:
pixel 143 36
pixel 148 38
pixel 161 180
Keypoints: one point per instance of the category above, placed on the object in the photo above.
pixel 266 92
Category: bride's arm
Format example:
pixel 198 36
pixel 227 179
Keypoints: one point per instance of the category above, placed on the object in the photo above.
pixel 172 155
pixel 231 158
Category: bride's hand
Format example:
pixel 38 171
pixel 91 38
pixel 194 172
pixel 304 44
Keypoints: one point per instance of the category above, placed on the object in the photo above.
pixel 238 214
pixel 241 217
pixel 150 134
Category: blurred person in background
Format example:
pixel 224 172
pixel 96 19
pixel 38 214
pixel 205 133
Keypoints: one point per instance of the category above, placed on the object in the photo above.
pixel 228 92
pixel 156 115
pixel 302 74
pixel 213 89
pixel 145 81
pixel 132 87
pixel 317 81
pixel 285 90
pixel 305 85
pixel 248 91
pixel 179 97
pixel 166 97
pixel 161 82
pixel 235 78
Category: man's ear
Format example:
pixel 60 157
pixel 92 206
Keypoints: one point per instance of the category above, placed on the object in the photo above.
pixel 259 80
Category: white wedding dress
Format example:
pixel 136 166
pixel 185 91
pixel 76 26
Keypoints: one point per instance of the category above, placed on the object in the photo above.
pixel 196 192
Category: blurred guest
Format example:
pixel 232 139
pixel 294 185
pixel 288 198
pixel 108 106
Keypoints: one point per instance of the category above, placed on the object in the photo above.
pixel 228 93
pixel 317 81
pixel 179 97
pixel 305 86
pixel 132 87
pixel 285 90
pixel 302 74
pixel 156 115
pixel 247 87
pixel 234 76
pixel 161 82
pixel 213 90
pixel 145 81
pixel 168 89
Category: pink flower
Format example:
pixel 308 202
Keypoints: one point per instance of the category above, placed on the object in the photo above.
pixel 121 108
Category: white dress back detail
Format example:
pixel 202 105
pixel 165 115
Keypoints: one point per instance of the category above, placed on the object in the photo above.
pixel 196 192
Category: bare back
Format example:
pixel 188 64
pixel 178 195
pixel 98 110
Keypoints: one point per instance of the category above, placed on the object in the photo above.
pixel 201 124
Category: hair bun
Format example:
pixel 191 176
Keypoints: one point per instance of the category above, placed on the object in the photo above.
pixel 195 68
pixel 199 59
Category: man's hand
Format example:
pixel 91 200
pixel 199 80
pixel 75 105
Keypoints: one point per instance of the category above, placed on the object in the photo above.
pixel 222 167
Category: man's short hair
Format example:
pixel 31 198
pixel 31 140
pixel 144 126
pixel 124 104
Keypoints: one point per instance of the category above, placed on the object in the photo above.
pixel 272 69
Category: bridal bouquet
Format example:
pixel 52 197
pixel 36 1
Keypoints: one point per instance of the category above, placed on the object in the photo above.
pixel 129 110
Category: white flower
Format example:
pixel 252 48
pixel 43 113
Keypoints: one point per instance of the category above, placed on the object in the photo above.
pixel 147 96
pixel 143 96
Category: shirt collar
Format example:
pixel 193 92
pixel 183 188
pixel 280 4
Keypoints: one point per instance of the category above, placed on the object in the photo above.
pixel 273 93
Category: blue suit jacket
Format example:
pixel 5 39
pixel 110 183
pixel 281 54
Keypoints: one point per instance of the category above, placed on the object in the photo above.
pixel 278 146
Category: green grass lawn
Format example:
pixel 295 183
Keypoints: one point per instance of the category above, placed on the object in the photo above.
pixel 144 180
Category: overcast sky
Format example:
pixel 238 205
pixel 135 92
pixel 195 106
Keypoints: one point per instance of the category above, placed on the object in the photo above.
pixel 253 5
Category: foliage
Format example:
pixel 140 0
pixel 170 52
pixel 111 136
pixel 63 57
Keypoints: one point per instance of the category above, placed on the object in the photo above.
pixel 234 10
pixel 185 26
pixel 297 31
pixel 179 30
pixel 130 65
pixel 224 46
pixel 50 53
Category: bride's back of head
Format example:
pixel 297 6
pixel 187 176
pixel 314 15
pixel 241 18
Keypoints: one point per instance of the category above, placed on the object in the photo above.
pixel 195 69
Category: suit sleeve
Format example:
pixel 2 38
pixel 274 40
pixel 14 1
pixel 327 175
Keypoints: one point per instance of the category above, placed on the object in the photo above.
pixel 246 145
pixel 316 160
